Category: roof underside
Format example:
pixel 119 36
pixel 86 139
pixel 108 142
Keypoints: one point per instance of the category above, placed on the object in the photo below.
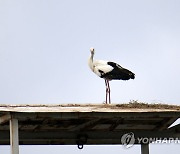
pixel 93 124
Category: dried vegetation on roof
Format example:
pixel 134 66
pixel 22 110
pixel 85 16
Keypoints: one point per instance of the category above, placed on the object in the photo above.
pixel 140 105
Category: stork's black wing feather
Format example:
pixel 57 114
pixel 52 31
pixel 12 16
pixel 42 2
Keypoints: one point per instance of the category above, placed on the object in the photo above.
pixel 118 73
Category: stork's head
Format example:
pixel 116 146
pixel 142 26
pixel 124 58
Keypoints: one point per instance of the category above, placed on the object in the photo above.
pixel 92 50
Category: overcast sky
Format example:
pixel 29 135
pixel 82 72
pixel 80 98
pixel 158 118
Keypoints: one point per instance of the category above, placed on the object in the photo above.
pixel 44 47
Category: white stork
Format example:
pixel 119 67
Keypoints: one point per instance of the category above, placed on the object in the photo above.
pixel 108 71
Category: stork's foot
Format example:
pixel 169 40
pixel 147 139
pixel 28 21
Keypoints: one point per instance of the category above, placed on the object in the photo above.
pixel 105 103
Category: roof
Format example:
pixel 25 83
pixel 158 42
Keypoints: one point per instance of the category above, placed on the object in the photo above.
pixel 130 107
pixel 94 124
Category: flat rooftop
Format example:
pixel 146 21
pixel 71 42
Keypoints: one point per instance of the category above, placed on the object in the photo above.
pixel 129 107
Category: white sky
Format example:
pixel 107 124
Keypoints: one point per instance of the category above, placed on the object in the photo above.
pixel 44 47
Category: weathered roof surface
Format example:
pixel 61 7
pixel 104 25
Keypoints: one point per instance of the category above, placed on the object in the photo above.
pixel 96 124
pixel 131 107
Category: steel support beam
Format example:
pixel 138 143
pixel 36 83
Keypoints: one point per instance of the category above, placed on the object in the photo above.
pixel 144 148
pixel 5 118
pixel 85 125
pixel 14 136
pixel 93 115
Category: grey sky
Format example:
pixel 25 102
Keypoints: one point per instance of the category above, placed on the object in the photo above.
pixel 44 47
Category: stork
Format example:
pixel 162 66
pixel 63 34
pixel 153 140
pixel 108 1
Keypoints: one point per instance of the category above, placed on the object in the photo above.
pixel 108 71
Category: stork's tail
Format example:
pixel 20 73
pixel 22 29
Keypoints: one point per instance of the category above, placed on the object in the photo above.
pixel 132 75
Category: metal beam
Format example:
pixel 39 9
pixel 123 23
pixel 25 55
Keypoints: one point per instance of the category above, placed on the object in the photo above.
pixel 144 148
pixel 5 118
pixel 166 123
pixel 14 137
pixel 85 125
pixel 101 115
pixel 114 125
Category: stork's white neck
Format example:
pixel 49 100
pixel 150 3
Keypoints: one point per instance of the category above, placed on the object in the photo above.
pixel 90 62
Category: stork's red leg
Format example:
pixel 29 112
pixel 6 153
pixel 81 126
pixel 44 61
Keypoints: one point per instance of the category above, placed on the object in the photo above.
pixel 109 91
pixel 106 83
